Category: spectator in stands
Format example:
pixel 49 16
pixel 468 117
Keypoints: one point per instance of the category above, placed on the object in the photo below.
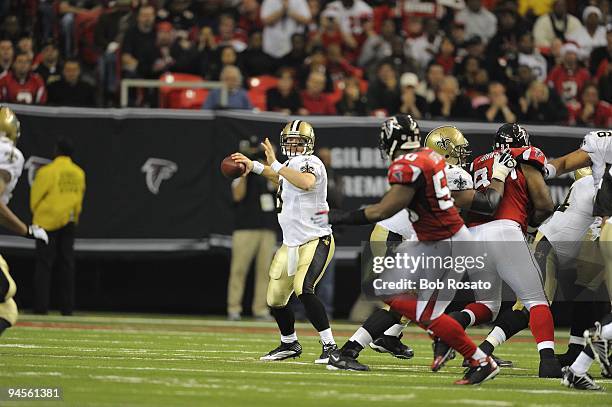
pixel 253 239
pixel 352 103
pixel 207 52
pixel 255 61
pixel 449 102
pixel 6 55
pixel 558 24
pixel 139 48
pixel 21 85
pixel 237 97
pixel 164 61
pixel 605 84
pixel 49 68
pixel 71 90
pixel 227 56
pixel 68 9
pixel 412 104
pixel 528 55
pixel 56 202
pixel 498 110
pixel 568 78
pixel 601 57
pixel 433 78
pixel 501 51
pixel 316 62
pixel 376 47
pixel 250 20
pixel 446 55
pixel 178 14
pixel 592 34
pixel 339 67
pixel 352 15
pixel 424 47
pixel 315 13
pixel 229 35
pixel 11 28
pixel 175 53
pixel 25 45
pixel 295 58
pixel 477 20
pixel 284 98
pixel 591 111
pixel 541 105
pixel 384 95
pixel 314 100
pixel 282 19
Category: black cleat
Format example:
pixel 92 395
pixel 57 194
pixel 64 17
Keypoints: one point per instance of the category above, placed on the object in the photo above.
pixel 442 354
pixel 567 358
pixel 601 349
pixel 392 345
pixel 325 351
pixel 550 368
pixel 284 351
pixel 500 362
pixel 580 382
pixel 339 361
pixel 477 374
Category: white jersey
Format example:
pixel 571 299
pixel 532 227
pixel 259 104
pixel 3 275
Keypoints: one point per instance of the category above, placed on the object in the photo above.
pixel 11 161
pixel 567 227
pixel 458 180
pixel 298 206
pixel 598 144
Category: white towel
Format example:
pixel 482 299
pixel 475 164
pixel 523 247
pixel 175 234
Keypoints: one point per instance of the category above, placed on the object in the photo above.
pixel 293 259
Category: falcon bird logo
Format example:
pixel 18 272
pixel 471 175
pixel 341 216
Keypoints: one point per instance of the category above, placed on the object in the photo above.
pixel 158 170
pixel 32 165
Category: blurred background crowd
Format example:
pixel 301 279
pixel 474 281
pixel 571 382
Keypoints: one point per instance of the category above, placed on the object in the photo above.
pixel 538 61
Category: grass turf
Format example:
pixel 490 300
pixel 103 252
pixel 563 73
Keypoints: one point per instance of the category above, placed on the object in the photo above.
pixel 175 361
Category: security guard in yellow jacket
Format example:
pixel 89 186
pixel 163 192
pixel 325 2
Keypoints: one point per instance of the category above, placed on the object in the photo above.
pixel 56 201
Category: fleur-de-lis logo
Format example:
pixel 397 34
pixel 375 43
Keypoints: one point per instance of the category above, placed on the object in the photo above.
pixel 443 143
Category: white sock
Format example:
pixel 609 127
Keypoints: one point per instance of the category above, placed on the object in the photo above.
pixel 395 330
pixel 546 345
pixel 289 338
pixel 577 340
pixel 582 364
pixel 606 331
pixel 496 337
pixel 480 356
pixel 362 337
pixel 326 336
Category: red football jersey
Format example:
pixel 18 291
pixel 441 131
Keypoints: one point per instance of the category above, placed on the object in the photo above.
pixel 515 204
pixel 29 91
pixel 568 84
pixel 432 212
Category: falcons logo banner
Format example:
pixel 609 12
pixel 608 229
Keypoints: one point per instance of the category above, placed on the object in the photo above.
pixel 158 170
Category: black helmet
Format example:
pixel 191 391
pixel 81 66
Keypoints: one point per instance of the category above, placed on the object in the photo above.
pixel 511 135
pixel 399 132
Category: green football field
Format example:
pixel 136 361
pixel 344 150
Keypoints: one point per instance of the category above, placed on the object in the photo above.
pixel 102 360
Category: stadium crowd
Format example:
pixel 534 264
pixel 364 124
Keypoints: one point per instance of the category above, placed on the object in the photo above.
pixel 489 60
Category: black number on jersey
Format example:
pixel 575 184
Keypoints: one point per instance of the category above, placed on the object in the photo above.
pixel 562 207
pixel 604 133
pixel 279 197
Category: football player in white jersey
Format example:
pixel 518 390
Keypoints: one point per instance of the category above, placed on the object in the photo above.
pixel 596 151
pixel 307 248
pixel 11 165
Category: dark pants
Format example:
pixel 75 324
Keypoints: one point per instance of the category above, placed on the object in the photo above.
pixel 60 248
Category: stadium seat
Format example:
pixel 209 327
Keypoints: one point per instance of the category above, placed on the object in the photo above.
pixel 258 85
pixel 181 98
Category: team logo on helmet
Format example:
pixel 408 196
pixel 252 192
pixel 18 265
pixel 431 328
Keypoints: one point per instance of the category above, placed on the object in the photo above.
pixel 443 143
pixel 158 170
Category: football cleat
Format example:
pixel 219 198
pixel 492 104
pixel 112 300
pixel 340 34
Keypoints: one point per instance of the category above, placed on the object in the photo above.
pixel 327 348
pixel 339 361
pixel 550 368
pixel 580 382
pixel 601 349
pixel 567 358
pixel 442 354
pixel 283 351
pixel 477 373
pixel 392 345
pixel 500 362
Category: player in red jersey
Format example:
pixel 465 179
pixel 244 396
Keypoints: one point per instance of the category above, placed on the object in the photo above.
pixel 418 183
pixel 21 85
pixel 526 202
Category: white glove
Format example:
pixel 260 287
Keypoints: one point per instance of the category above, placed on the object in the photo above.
pixel 37 233
pixel 502 165
pixel 321 219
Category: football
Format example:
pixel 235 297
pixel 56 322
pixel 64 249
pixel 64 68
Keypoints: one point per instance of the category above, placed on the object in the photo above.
pixel 231 169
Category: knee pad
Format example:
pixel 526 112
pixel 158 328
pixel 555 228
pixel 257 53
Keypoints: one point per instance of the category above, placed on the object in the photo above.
pixel 8 311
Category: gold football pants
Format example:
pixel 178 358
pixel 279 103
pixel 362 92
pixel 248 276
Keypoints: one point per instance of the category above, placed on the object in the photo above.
pixel 314 256
pixel 8 308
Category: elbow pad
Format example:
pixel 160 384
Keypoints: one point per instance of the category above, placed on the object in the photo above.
pixel 486 202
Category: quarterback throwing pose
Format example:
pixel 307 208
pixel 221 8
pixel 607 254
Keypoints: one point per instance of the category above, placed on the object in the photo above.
pixel 11 165
pixel 307 248
pixel 596 151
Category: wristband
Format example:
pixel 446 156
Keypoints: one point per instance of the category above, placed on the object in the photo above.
pixel 500 173
pixel 257 167
pixel 551 171
pixel 276 166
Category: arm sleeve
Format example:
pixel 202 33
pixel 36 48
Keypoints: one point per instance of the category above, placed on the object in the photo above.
pixel 533 156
